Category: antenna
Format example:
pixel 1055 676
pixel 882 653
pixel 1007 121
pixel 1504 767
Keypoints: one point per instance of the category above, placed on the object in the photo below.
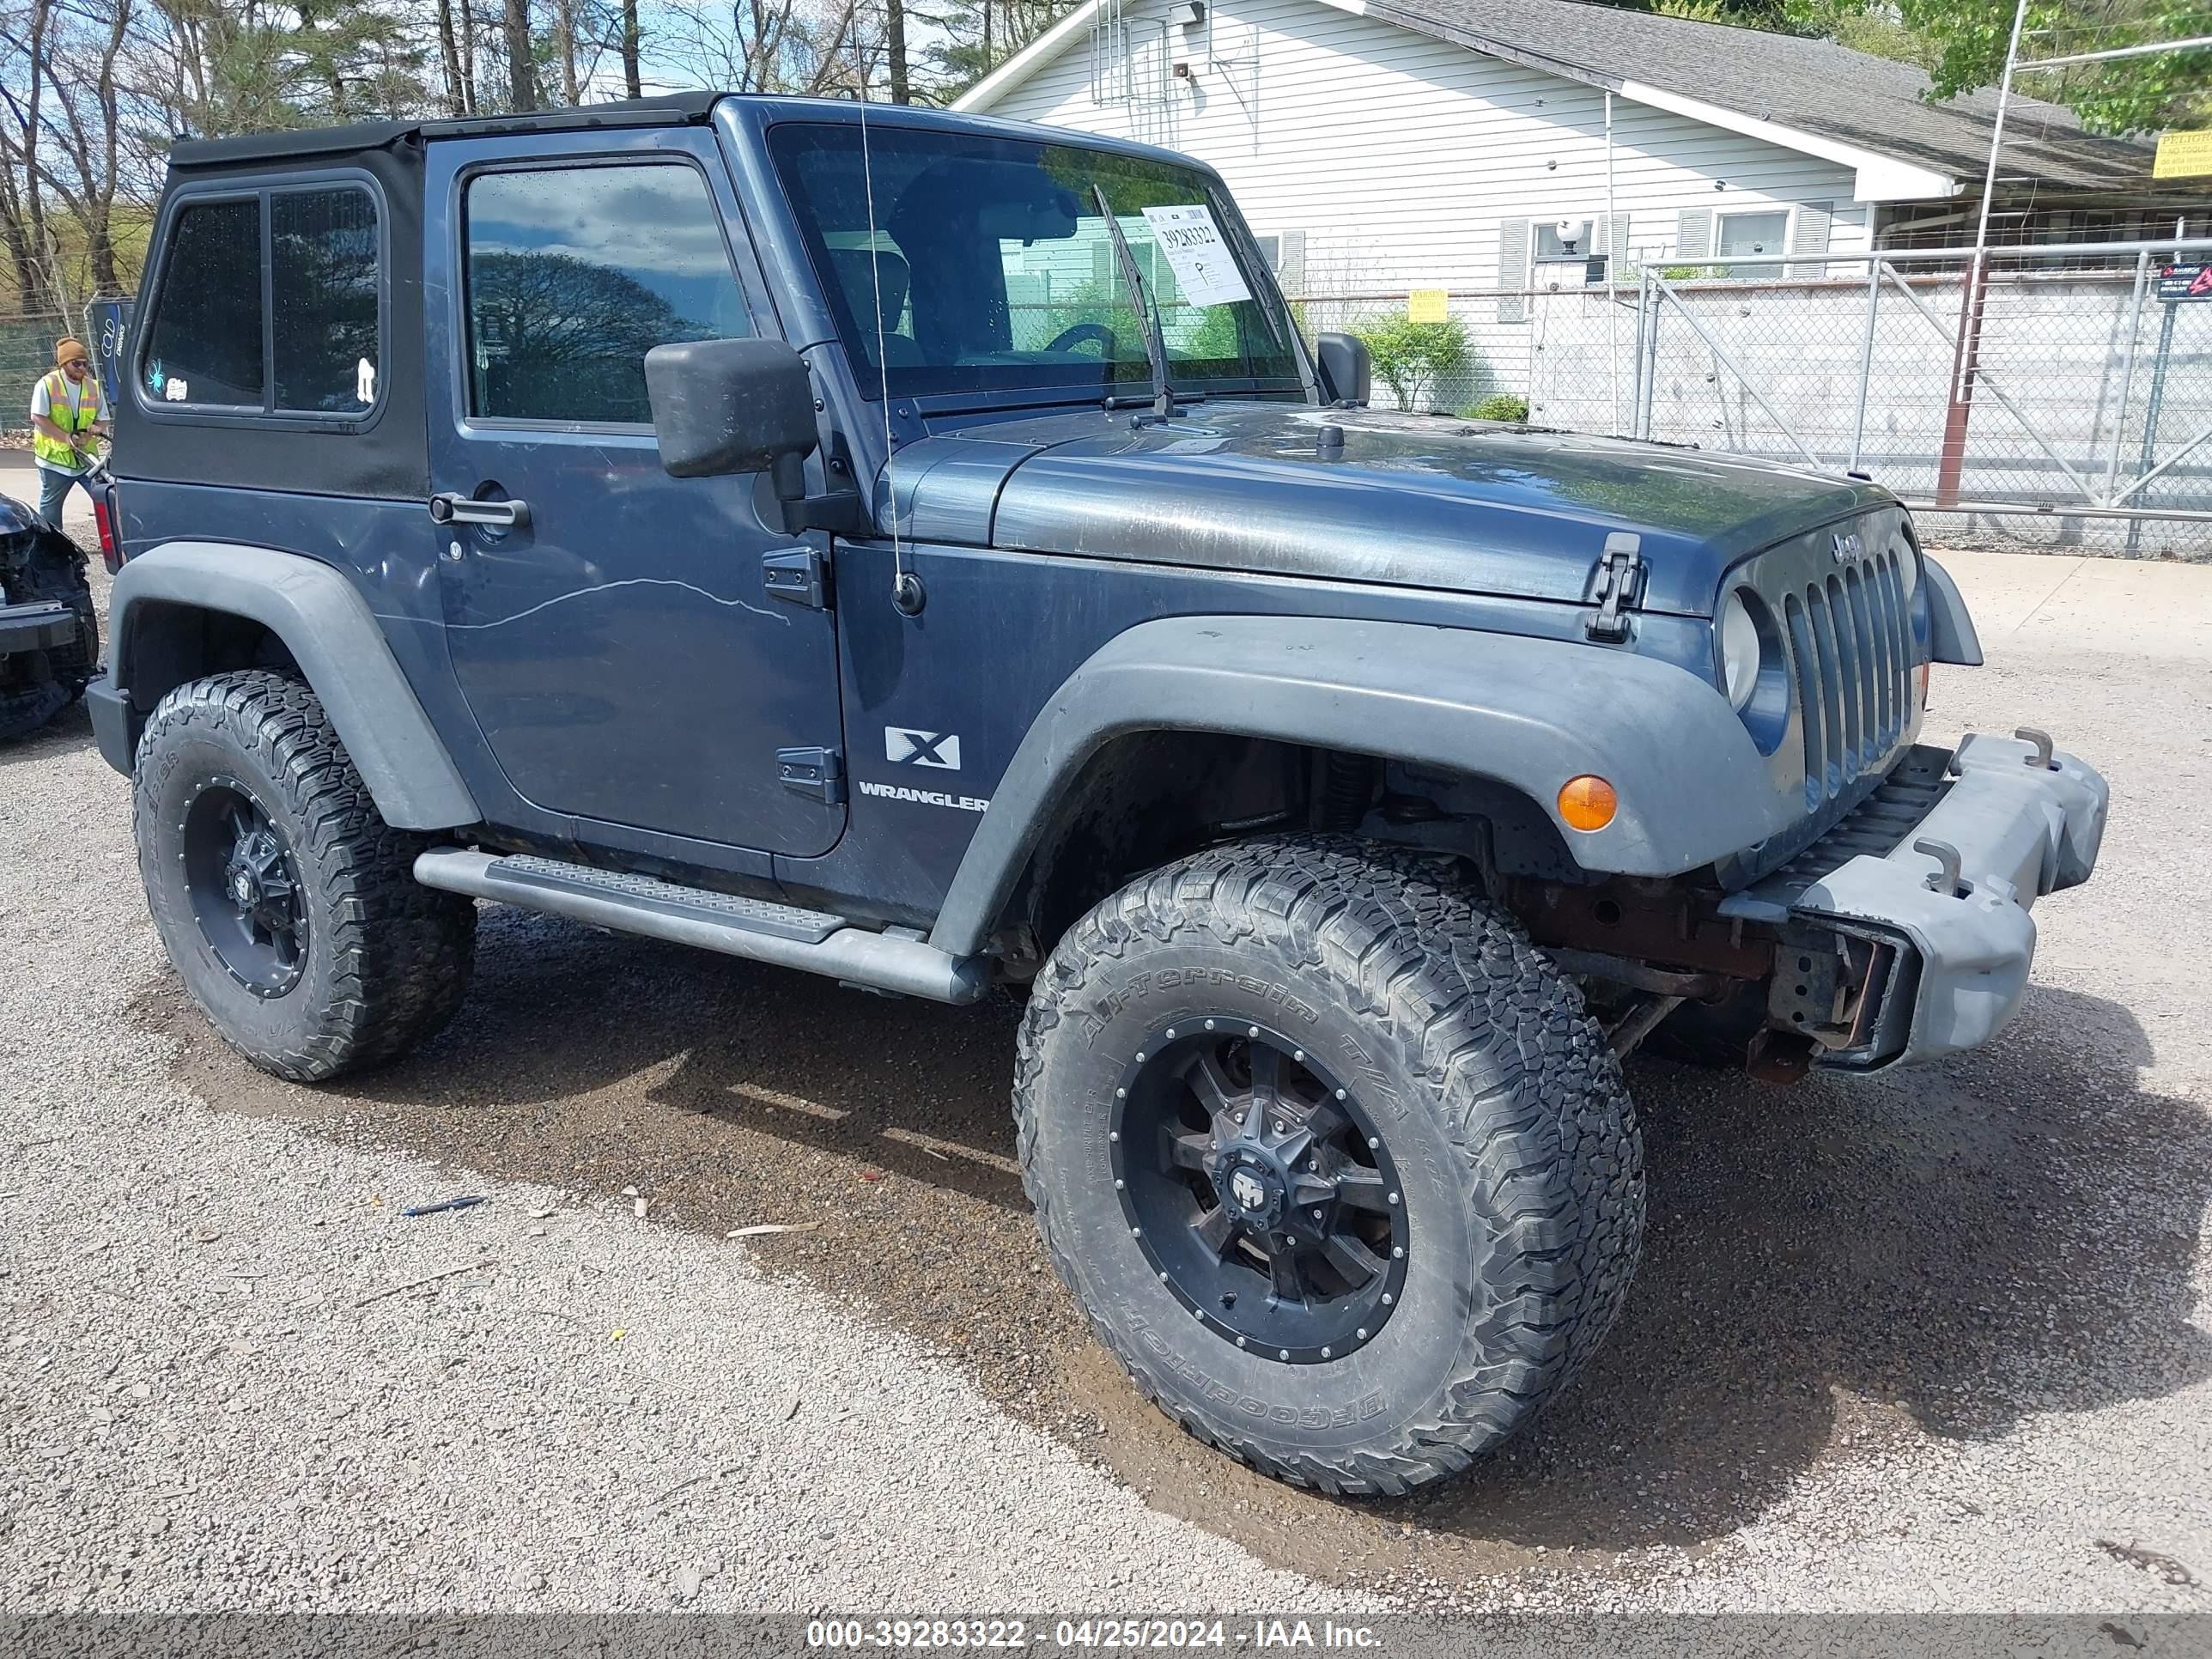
pixel 906 586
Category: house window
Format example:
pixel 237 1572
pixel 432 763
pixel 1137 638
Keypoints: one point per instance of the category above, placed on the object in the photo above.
pixel 1559 251
pixel 1744 233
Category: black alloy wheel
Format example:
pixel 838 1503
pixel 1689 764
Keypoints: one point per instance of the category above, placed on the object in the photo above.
pixel 244 889
pixel 1259 1190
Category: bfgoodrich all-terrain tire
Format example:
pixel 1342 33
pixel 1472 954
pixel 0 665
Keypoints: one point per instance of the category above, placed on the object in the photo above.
pixel 288 905
pixel 1336 1164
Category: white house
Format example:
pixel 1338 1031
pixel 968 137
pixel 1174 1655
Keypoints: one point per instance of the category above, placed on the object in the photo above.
pixel 1379 145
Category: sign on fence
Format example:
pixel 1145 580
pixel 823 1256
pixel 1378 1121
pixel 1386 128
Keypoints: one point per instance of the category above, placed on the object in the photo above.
pixel 2180 283
pixel 1428 305
pixel 2183 155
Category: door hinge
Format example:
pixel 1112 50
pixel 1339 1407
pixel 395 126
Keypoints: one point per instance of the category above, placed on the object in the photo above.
pixel 797 575
pixel 817 774
pixel 1617 586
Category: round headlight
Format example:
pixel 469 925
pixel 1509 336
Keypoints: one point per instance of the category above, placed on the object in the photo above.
pixel 1908 566
pixel 1738 652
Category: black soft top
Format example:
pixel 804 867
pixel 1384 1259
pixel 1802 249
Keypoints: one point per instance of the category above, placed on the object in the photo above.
pixel 682 108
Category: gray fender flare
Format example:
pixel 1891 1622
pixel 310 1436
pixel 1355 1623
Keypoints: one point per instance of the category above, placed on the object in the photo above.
pixel 328 627
pixel 1528 712
pixel 1951 635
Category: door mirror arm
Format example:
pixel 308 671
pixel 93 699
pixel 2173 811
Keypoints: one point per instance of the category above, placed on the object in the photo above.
pixel 840 511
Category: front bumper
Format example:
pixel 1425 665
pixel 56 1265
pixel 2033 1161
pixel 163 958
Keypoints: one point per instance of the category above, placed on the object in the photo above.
pixel 1980 834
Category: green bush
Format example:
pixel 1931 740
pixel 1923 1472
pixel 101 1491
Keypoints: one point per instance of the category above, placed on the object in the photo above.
pixel 1499 406
pixel 1411 357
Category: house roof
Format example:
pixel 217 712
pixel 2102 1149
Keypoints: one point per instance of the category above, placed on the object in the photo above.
pixel 1811 95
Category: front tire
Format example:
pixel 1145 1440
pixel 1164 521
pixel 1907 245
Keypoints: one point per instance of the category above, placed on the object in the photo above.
pixel 1480 1104
pixel 288 905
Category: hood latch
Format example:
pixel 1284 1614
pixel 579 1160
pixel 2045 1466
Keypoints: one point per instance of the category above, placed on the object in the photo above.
pixel 1617 585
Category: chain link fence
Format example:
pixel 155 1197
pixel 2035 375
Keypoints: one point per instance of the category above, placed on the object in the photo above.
pixel 2069 409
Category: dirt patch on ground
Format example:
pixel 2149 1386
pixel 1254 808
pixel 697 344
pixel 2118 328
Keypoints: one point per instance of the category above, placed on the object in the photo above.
pixel 1829 1276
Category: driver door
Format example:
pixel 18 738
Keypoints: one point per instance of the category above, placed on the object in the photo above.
pixel 609 624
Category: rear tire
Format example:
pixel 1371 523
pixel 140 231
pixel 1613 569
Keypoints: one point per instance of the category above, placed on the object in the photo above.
pixel 1490 1105
pixel 288 905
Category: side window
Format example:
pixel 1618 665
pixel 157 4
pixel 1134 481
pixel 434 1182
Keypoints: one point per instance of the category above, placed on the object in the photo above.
pixel 323 258
pixel 574 273
pixel 205 346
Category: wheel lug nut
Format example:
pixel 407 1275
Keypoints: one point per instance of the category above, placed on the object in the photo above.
pixel 1279 1125
pixel 1316 1215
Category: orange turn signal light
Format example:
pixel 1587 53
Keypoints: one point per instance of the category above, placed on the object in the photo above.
pixel 1588 803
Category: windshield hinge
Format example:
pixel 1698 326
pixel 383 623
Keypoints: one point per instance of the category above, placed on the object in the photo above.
pixel 1616 586
pixel 797 575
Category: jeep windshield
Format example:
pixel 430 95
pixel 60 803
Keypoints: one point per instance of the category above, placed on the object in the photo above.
pixel 997 272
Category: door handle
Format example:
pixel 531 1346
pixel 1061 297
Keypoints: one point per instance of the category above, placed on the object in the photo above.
pixel 448 507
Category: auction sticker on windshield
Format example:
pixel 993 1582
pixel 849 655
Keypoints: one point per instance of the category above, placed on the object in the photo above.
pixel 1200 258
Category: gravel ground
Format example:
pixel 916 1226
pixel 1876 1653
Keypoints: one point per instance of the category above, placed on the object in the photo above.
pixel 1939 1342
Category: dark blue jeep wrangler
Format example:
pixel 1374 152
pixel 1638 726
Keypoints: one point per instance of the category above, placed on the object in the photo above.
pixel 923 550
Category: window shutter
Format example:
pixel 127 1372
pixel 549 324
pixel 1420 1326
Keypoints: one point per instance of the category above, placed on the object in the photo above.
pixel 1512 271
pixel 1291 264
pixel 1610 238
pixel 1693 235
pixel 1810 235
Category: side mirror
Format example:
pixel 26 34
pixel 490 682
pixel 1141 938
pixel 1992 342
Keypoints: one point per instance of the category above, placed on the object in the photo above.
pixel 727 406
pixel 1347 372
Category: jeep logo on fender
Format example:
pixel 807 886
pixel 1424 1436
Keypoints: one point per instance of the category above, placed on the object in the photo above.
pixel 904 746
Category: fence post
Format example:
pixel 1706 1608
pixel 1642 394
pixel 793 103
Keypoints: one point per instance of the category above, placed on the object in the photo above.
pixel 1636 380
pixel 1866 357
pixel 1652 307
pixel 2127 377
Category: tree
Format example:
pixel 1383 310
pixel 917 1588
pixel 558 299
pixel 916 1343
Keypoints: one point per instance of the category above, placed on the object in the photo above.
pixel 632 42
pixel 2129 94
pixel 521 64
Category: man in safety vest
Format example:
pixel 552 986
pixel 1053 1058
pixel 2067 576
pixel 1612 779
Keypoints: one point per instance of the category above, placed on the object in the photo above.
pixel 65 417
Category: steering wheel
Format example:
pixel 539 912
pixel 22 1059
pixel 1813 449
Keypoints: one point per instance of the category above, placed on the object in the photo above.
pixel 1081 331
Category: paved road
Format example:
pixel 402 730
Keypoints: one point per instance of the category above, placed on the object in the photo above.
pixel 1937 1342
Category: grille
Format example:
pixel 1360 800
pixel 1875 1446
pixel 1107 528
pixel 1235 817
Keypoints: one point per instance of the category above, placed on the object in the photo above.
pixel 1850 644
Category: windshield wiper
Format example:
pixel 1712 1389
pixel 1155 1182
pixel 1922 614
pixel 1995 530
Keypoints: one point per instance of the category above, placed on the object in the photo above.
pixel 1140 302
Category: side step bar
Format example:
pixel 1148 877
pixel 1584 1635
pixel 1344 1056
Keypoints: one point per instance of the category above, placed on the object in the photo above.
pixel 753 928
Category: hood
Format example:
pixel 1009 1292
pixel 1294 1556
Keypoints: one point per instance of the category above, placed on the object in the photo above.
pixel 1409 501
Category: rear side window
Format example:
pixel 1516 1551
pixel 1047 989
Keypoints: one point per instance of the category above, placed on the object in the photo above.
pixel 575 273
pixel 206 346
pixel 218 330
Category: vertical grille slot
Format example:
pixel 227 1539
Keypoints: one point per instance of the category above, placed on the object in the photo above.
pixel 1803 654
pixel 1869 681
pixel 1831 704
pixel 1900 640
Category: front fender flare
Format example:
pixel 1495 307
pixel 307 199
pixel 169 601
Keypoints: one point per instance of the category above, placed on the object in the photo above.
pixel 328 627
pixel 1528 712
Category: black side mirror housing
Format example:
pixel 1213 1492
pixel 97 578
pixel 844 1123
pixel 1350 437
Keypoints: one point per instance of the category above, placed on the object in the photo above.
pixel 729 406
pixel 1348 373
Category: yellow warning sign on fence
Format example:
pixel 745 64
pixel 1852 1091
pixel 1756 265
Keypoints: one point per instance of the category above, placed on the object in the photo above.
pixel 2183 155
pixel 1427 305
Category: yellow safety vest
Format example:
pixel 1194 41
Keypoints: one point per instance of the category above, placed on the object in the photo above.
pixel 73 421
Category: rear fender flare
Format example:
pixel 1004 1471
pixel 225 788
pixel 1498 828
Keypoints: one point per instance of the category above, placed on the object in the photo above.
pixel 330 632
